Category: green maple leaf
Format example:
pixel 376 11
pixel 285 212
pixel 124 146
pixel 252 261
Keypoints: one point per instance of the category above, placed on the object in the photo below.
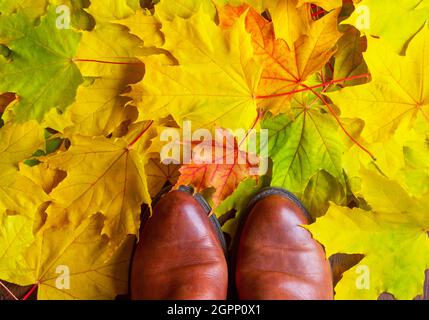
pixel 302 146
pixel 41 70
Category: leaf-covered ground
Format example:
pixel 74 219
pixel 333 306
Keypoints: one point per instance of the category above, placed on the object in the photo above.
pixel 342 86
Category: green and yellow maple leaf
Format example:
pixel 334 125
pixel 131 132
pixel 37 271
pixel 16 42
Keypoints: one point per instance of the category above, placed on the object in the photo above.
pixel 392 237
pixel 239 202
pixel 41 70
pixel 349 62
pixel 302 146
pixel 322 188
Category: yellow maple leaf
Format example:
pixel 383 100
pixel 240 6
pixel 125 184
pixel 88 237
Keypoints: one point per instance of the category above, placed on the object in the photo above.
pixel 290 20
pixel 398 92
pixel 103 175
pixel 392 237
pixel 99 56
pixel 145 26
pixel 19 194
pixel 50 262
pixel 215 81
pixel 100 108
pixel 108 10
pixel 158 174
pixel 402 157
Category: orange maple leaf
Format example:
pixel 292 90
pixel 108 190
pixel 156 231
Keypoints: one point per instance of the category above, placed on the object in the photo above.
pixel 223 167
pixel 286 68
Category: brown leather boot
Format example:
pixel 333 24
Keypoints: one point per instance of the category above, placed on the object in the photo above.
pixel 180 255
pixel 275 258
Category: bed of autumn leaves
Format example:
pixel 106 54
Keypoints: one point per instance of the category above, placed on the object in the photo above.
pixel 82 110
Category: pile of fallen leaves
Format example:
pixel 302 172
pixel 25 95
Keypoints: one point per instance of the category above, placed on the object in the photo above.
pixel 82 110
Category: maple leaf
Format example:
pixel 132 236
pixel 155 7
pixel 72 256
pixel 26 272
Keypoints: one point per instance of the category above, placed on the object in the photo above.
pixel 322 188
pixel 146 26
pixel 158 174
pixel 396 24
pixel 349 61
pixel 304 145
pixel 18 143
pixel 401 157
pixel 76 189
pixel 44 176
pixel 99 110
pixel 97 274
pixel 79 18
pixel 108 10
pixel 239 202
pixel 40 71
pixel 97 56
pixel 16 235
pixel 290 20
pixel 31 8
pixel 100 107
pixel 218 165
pixel 398 91
pixel 392 236
pixel 98 168
pixel 286 66
pixel 170 9
pixel 206 54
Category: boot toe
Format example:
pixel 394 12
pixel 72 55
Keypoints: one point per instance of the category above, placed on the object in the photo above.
pixel 179 256
pixel 277 258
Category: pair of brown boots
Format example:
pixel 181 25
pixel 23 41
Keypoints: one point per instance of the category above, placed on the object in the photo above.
pixel 182 253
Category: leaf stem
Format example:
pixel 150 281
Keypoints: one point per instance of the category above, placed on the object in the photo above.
pixel 29 293
pixel 360 76
pixel 255 123
pixel 140 135
pixel 108 62
pixel 8 290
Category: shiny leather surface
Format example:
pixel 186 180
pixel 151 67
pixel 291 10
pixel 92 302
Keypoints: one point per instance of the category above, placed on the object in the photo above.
pixel 277 258
pixel 179 256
